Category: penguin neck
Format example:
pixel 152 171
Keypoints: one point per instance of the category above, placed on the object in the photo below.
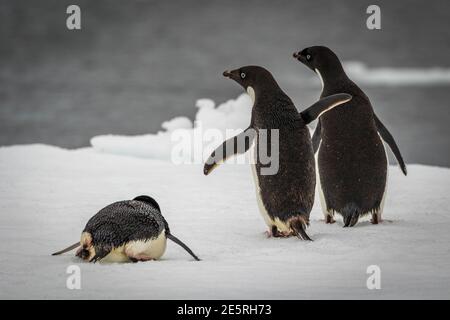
pixel 332 77
pixel 262 93
pixel 252 94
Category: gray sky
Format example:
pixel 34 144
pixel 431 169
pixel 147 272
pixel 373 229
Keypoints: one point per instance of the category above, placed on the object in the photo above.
pixel 136 64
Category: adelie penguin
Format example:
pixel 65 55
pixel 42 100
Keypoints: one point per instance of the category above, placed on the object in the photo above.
pixel 131 230
pixel 352 160
pixel 285 197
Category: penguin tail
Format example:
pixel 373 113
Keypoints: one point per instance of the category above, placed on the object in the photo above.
pixel 298 226
pixel 74 246
pixel 181 244
pixel 350 214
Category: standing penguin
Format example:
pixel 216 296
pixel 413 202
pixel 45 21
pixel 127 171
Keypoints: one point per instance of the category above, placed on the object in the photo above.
pixel 352 160
pixel 131 230
pixel 285 198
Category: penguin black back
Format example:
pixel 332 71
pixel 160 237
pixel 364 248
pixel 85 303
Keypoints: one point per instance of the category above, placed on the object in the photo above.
pixel 352 160
pixel 126 230
pixel 286 195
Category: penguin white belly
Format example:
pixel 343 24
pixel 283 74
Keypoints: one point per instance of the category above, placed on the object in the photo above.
pixel 380 210
pixel 150 249
pixel 140 250
pixel 261 207
pixel 281 226
pixel 323 203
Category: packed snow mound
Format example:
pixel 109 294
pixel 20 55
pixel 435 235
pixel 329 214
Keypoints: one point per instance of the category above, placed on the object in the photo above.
pixel 387 76
pixel 47 195
pixel 228 118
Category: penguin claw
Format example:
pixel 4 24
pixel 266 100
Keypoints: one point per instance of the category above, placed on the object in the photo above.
pixel 375 219
pixel 329 220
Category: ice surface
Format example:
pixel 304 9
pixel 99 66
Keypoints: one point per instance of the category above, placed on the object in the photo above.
pixel 47 194
pixel 233 114
pixel 387 76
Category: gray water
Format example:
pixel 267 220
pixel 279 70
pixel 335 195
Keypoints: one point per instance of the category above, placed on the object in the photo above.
pixel 136 64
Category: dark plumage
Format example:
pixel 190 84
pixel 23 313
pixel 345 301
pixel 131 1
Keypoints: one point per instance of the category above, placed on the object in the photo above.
pixel 133 229
pixel 352 160
pixel 125 221
pixel 287 195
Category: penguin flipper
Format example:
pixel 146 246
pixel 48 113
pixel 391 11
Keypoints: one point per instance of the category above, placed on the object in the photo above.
pixel 324 105
pixel 389 139
pixel 237 145
pixel 181 244
pixel 317 137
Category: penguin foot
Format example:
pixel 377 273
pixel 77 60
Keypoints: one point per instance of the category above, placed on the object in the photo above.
pixel 329 219
pixel 376 218
pixel 273 232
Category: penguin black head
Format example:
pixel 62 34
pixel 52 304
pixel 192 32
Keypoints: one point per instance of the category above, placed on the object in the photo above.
pixel 148 200
pixel 319 59
pixel 252 78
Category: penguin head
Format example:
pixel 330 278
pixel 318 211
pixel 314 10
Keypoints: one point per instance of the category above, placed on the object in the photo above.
pixel 148 200
pixel 252 78
pixel 318 59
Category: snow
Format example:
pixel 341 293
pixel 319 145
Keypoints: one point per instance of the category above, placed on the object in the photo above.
pixel 47 194
pixel 230 115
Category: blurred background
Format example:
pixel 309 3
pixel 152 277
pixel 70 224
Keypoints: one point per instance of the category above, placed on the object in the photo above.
pixel 136 64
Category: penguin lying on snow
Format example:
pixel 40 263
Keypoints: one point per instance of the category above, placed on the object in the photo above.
pixel 131 230
pixel 352 160
pixel 286 197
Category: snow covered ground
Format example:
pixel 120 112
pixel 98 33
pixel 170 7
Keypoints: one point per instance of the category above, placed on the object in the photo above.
pixel 47 195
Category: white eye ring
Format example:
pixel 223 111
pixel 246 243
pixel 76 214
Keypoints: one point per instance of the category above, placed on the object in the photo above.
pixel 242 75
pixel 308 57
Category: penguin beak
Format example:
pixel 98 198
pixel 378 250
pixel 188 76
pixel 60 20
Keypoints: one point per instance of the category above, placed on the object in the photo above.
pixel 232 74
pixel 299 57
pixel 227 74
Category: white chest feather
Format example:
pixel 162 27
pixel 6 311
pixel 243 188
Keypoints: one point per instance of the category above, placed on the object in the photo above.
pixel 320 77
pixel 261 207
pixel 281 225
pixel 251 93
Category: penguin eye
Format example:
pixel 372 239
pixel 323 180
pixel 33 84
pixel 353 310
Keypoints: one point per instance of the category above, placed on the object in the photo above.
pixel 308 57
pixel 242 75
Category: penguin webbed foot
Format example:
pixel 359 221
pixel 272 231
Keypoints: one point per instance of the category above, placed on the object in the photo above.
pixel 277 234
pixel 274 232
pixel 329 219
pixel 376 218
